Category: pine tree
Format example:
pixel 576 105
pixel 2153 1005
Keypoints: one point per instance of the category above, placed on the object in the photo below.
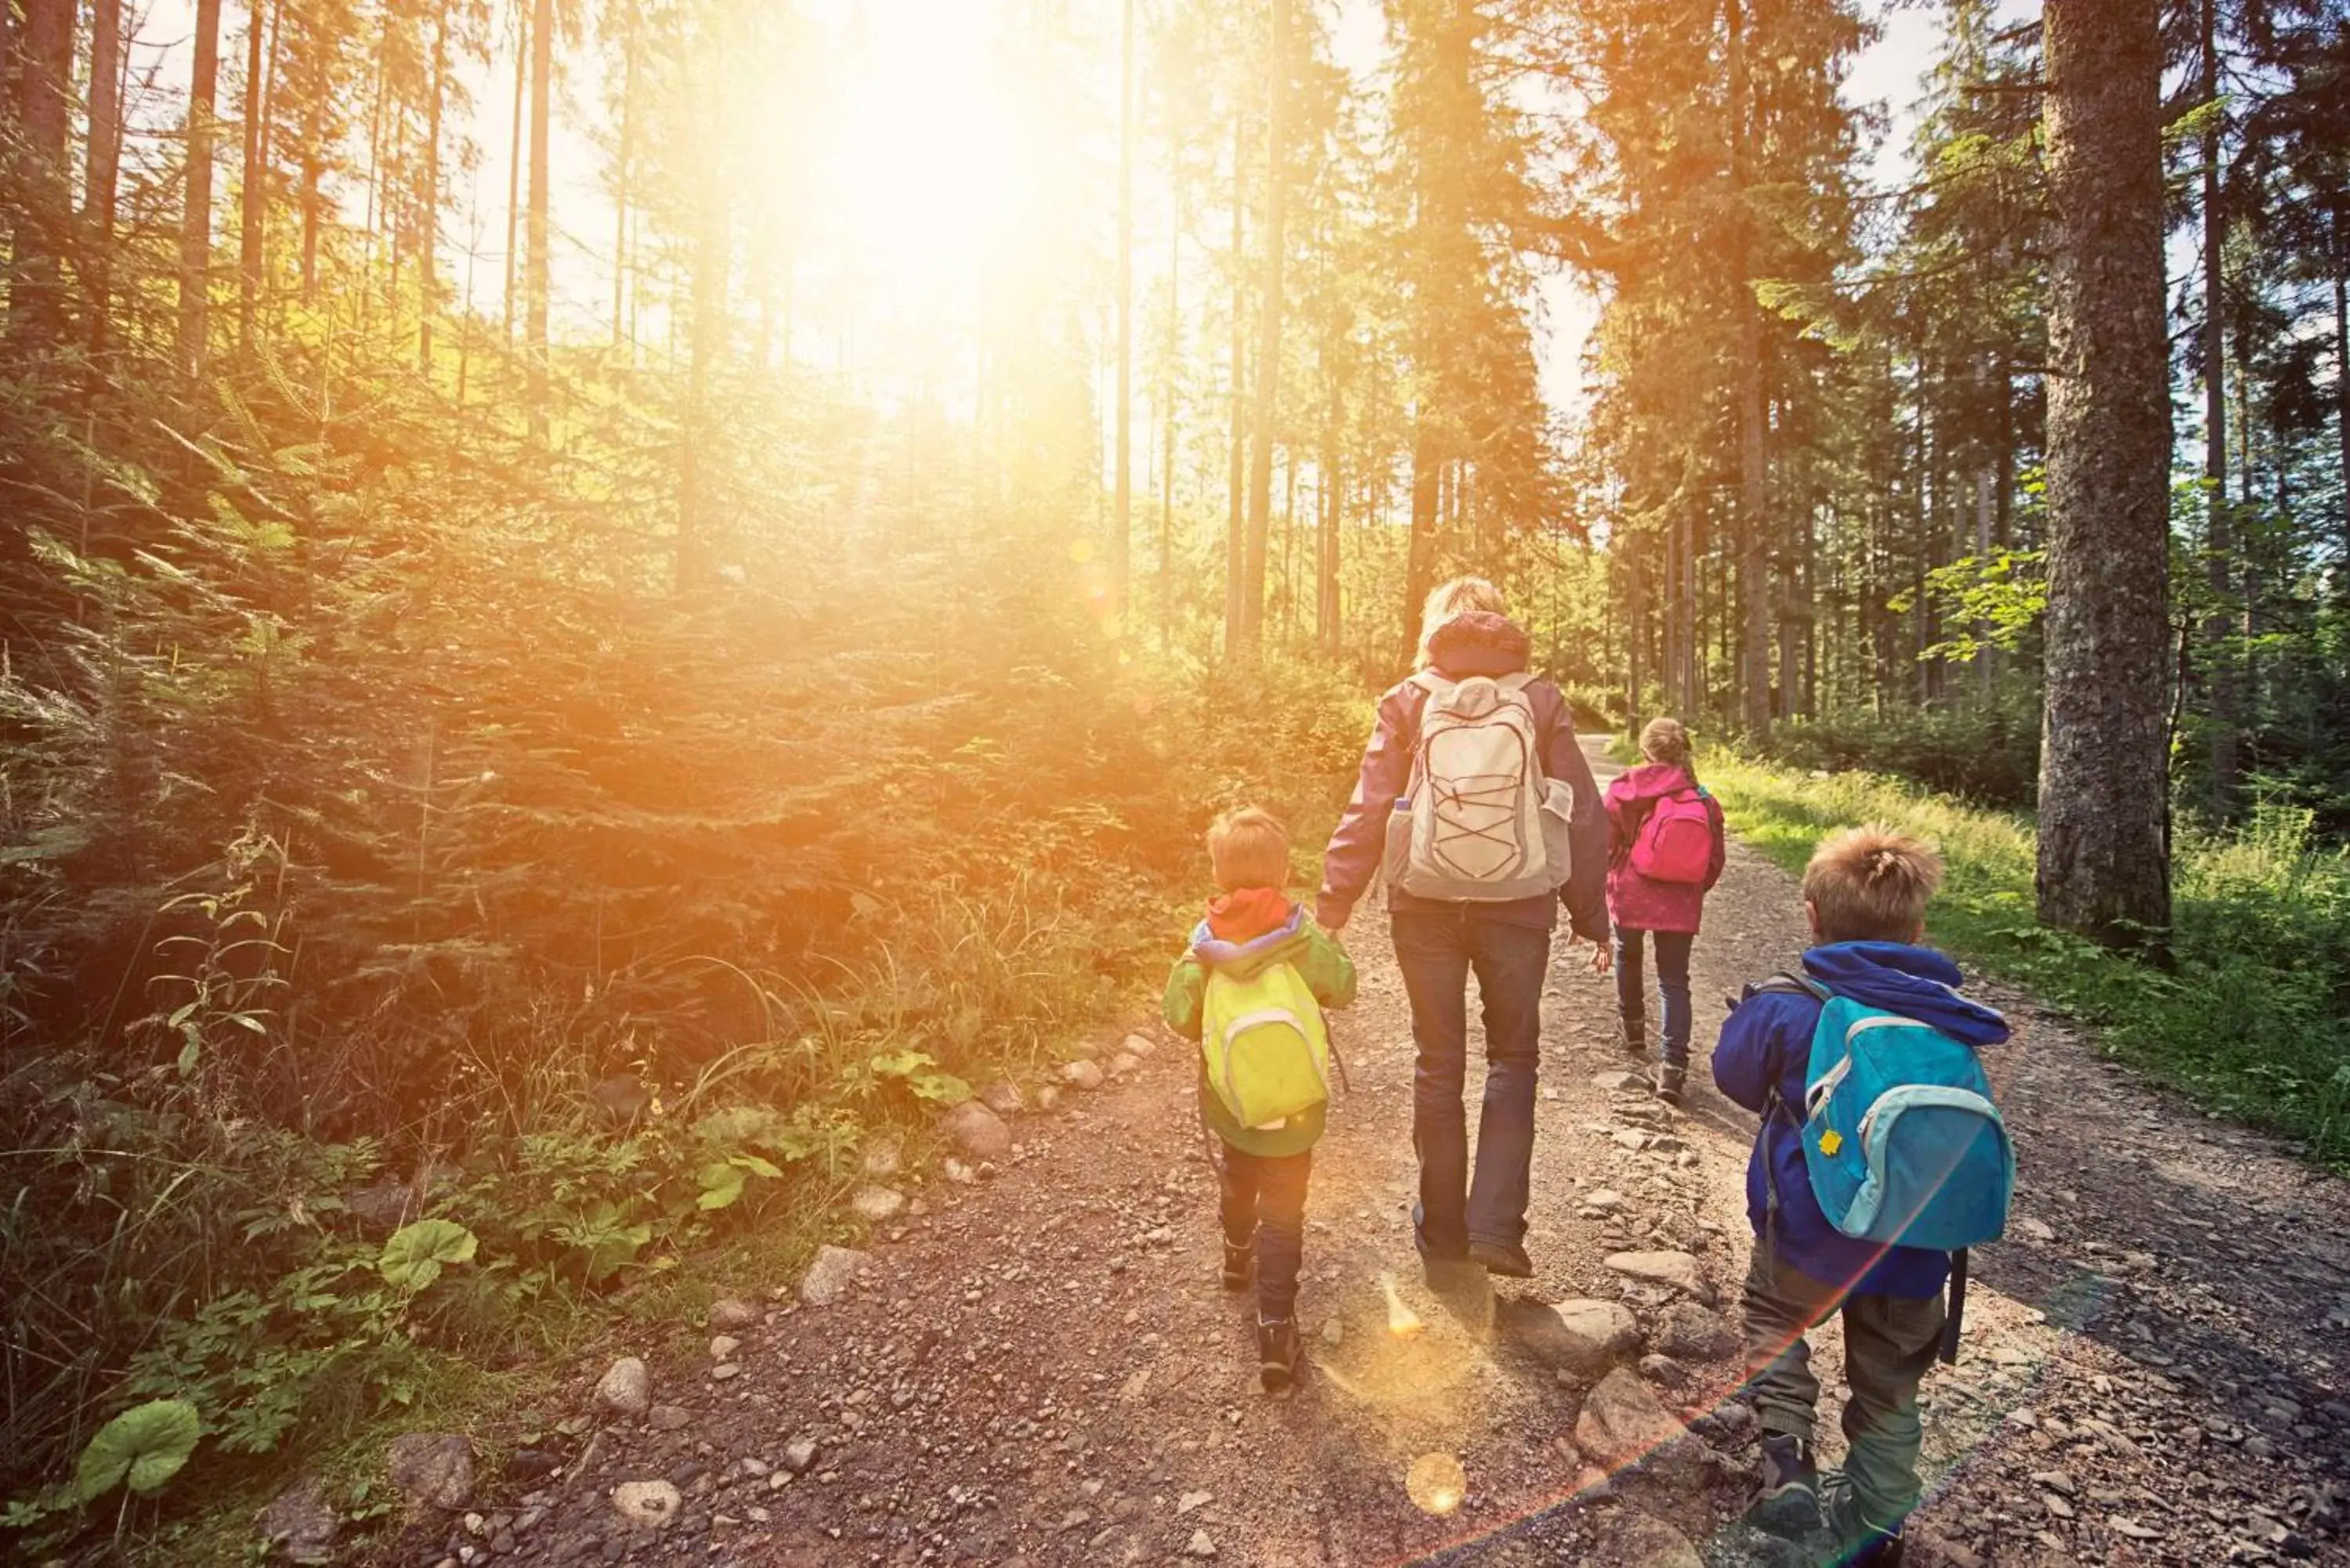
pixel 2105 851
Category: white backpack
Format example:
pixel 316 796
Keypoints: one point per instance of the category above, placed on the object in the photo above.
pixel 1480 825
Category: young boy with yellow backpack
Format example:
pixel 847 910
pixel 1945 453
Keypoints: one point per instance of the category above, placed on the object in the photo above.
pixel 1251 988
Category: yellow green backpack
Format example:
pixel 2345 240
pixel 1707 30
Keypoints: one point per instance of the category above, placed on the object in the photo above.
pixel 1266 1046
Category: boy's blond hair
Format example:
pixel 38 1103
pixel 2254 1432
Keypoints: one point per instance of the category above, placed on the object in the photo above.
pixel 1871 884
pixel 1457 597
pixel 1249 849
pixel 1666 741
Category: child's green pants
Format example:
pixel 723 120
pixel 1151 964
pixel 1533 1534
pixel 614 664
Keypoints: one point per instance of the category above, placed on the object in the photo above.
pixel 1889 1344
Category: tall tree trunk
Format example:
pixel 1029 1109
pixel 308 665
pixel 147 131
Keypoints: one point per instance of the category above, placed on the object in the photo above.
pixel 514 163
pixel 1268 343
pixel 2341 270
pixel 2218 543
pixel 253 208
pixel 536 270
pixel 623 157
pixel 1753 501
pixel 1235 634
pixel 428 240
pixel 1419 550
pixel 43 222
pixel 1167 414
pixel 196 208
pixel 712 250
pixel 1121 538
pixel 102 169
pixel 2104 860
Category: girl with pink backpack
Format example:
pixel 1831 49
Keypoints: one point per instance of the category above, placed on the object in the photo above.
pixel 1664 855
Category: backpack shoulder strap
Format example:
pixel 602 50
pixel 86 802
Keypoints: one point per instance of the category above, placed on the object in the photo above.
pixel 1783 983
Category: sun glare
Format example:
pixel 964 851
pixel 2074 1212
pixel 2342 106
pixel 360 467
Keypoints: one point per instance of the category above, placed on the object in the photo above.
pixel 925 162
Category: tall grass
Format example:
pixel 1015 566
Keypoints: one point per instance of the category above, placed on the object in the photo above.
pixel 2252 1021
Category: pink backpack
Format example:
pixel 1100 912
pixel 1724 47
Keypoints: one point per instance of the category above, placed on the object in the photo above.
pixel 1676 844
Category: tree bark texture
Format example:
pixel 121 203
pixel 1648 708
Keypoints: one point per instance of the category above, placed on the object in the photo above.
pixel 2104 858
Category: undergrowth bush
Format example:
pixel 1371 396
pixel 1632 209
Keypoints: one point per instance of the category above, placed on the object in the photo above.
pixel 2253 1018
pixel 384 843
pixel 1989 754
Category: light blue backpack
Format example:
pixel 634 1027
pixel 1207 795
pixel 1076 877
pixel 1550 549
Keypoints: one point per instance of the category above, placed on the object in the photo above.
pixel 1902 1142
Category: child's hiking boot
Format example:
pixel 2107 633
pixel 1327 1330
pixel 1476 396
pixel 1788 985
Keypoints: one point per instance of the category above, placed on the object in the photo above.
pixel 1277 1353
pixel 1506 1259
pixel 1240 1265
pixel 1671 1079
pixel 1860 1542
pixel 1788 1501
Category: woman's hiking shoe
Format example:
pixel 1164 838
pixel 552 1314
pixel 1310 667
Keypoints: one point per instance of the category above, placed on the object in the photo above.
pixel 1860 1542
pixel 1670 1082
pixel 1788 1502
pixel 1632 1034
pixel 1277 1353
pixel 1501 1258
pixel 1240 1265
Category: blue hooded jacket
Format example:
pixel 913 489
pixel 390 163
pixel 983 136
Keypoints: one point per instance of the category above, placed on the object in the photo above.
pixel 1767 1042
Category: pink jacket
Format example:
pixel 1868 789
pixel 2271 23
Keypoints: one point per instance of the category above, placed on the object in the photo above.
pixel 1635 903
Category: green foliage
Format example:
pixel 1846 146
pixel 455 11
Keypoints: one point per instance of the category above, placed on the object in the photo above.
pixel 1988 754
pixel 2251 1021
pixel 141 1448
pixel 416 1253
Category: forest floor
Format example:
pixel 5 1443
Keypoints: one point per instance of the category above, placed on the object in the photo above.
pixel 1036 1366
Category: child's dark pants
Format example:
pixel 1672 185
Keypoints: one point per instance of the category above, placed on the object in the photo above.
pixel 1265 1198
pixel 1890 1342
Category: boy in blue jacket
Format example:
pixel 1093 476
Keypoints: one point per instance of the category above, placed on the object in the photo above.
pixel 1864 893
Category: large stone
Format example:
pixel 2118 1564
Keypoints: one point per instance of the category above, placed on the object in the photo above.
pixel 978 1132
pixel 1688 1332
pixel 298 1524
pixel 829 1277
pixel 626 1388
pixel 1003 1097
pixel 1138 1046
pixel 1582 1336
pixel 433 1469
pixel 1082 1076
pixel 1622 1424
pixel 648 1504
pixel 1678 1270
pixel 876 1204
pixel 1636 1539
pixel 731 1314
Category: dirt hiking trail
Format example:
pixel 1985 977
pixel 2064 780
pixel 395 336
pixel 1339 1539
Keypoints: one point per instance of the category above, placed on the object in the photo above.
pixel 1035 1366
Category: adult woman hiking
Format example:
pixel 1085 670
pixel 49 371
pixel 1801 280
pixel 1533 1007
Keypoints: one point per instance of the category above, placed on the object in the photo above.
pixel 1473 795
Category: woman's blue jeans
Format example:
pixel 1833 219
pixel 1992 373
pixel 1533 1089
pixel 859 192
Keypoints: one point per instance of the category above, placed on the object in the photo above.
pixel 1672 987
pixel 1437 951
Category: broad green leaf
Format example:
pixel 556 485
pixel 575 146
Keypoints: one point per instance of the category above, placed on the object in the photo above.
pixel 416 1253
pixel 722 1183
pixel 145 1446
pixel 754 1165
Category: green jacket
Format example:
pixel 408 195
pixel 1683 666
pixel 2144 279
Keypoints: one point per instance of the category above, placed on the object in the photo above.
pixel 1328 974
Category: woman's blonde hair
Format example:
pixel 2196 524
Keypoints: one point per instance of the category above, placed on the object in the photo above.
pixel 1666 741
pixel 1249 849
pixel 1457 597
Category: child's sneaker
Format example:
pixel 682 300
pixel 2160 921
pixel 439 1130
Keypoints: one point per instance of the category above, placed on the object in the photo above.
pixel 1788 1501
pixel 1670 1082
pixel 1240 1265
pixel 1277 1353
pixel 1860 1542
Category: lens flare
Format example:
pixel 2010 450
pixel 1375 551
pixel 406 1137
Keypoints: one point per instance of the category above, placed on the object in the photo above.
pixel 1402 1321
pixel 1437 1484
